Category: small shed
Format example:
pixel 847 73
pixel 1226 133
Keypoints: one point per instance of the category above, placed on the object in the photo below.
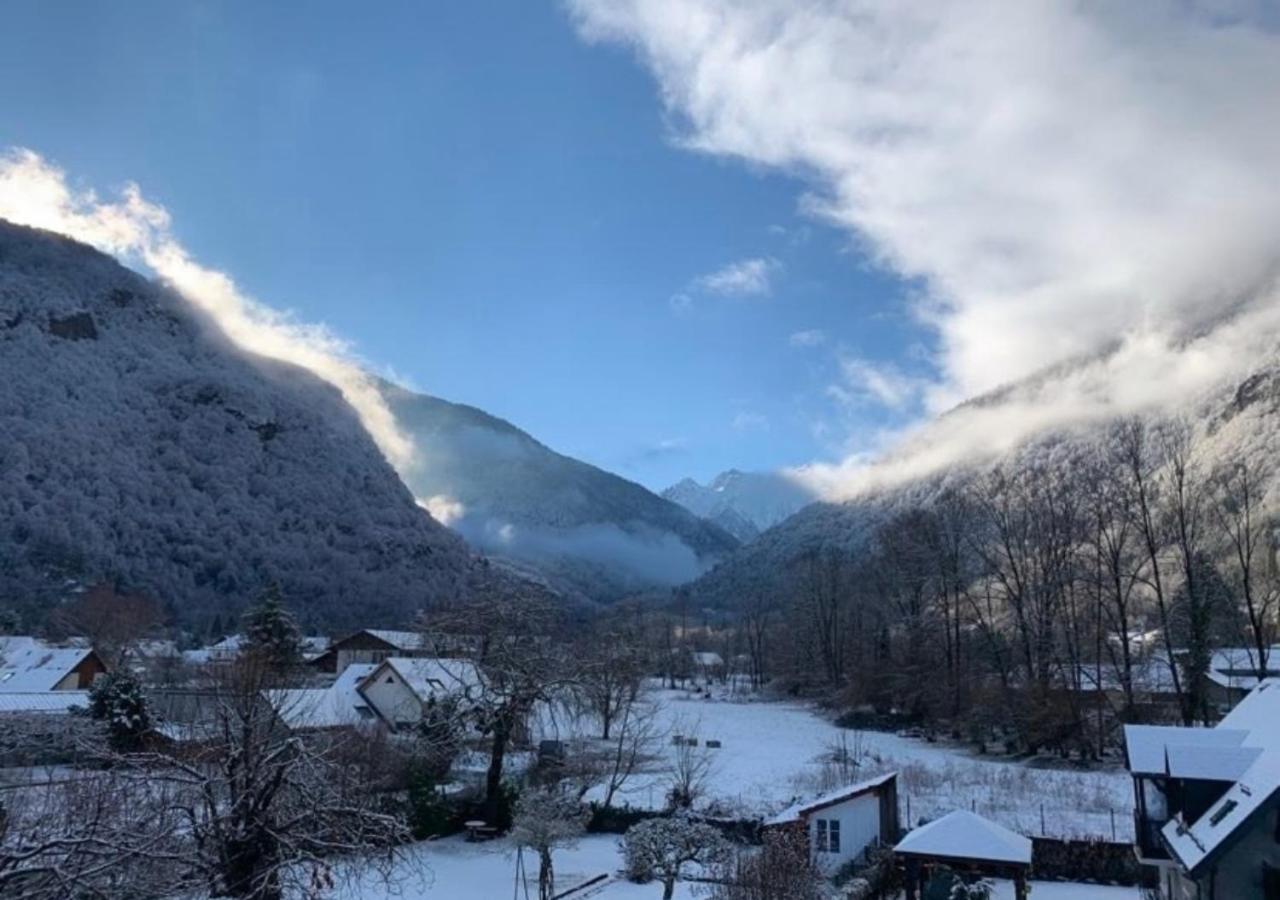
pixel 965 843
pixel 842 825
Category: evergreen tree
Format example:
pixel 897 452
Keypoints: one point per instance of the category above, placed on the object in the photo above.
pixel 117 699
pixel 271 631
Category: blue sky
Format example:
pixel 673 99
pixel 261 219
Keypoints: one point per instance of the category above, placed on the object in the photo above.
pixel 483 204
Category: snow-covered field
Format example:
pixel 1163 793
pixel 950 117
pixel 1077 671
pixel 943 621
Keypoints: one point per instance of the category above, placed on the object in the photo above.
pixel 774 753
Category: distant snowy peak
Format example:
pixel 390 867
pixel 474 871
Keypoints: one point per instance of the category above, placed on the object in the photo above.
pixel 743 503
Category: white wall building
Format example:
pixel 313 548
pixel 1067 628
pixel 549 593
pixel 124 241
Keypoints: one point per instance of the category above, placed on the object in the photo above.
pixel 844 824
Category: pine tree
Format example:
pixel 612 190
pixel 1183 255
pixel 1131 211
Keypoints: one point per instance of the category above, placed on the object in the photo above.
pixel 117 699
pixel 271 631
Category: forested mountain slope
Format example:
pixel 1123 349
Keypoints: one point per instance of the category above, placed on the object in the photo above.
pixel 587 531
pixel 141 446
pixel 1236 424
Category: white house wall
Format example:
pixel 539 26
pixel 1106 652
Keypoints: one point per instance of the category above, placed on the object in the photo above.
pixel 392 698
pixel 859 828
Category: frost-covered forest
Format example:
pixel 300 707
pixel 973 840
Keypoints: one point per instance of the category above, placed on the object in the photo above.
pixel 143 448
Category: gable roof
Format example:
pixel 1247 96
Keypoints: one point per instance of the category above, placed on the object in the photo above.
pixel 37 667
pixel 967 836
pixel 1194 845
pixel 428 677
pixel 1146 746
pixel 798 811
pixel 1256 723
pixel 401 640
pixel 337 706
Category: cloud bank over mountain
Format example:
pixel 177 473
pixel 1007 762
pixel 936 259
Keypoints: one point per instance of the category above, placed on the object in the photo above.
pixel 1085 190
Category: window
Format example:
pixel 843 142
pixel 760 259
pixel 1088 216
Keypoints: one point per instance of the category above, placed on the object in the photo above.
pixel 828 835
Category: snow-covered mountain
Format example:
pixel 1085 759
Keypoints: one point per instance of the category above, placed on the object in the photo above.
pixel 588 532
pixel 742 503
pixel 140 445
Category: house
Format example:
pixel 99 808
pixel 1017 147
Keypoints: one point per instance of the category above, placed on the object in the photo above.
pixel 1232 673
pixel 399 687
pixel 229 649
pixel 28 665
pixel 340 705
pixel 1207 801
pixel 965 844
pixel 372 645
pixel 844 824
pixel 707 666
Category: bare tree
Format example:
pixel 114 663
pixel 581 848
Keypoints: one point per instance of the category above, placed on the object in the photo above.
pixel 1249 535
pixel 547 819
pixel 101 834
pixel 781 869
pixel 608 676
pixel 109 618
pixel 511 631
pixel 690 768
pixel 264 809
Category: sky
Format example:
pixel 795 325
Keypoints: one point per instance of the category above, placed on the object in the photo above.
pixel 674 236
pixel 501 216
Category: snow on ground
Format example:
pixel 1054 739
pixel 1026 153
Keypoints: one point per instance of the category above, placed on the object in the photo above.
pixel 452 869
pixel 774 753
pixel 1057 890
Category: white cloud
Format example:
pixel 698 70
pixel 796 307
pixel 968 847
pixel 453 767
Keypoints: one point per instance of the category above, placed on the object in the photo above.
pixel 34 192
pixel 1059 178
pixel 812 337
pixel 883 384
pixel 744 278
pixel 749 421
pixel 444 509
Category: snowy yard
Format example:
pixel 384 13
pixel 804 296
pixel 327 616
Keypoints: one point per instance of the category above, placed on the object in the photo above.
pixel 452 869
pixel 773 753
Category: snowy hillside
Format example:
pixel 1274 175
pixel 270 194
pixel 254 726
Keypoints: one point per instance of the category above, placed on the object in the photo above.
pixel 743 503
pixel 587 531
pixel 140 445
pixel 1238 421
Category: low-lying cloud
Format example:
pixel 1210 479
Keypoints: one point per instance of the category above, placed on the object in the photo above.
pixel 35 192
pixel 1063 182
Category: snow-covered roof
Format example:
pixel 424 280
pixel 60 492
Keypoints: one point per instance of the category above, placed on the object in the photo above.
pixel 965 835
pixel 36 667
pixel 402 640
pixel 1202 763
pixel 1244 749
pixel 707 659
pixel 428 677
pixel 313 645
pixel 43 701
pixel 1193 844
pixel 339 705
pixel 1258 713
pixel 1147 745
pixel 797 811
